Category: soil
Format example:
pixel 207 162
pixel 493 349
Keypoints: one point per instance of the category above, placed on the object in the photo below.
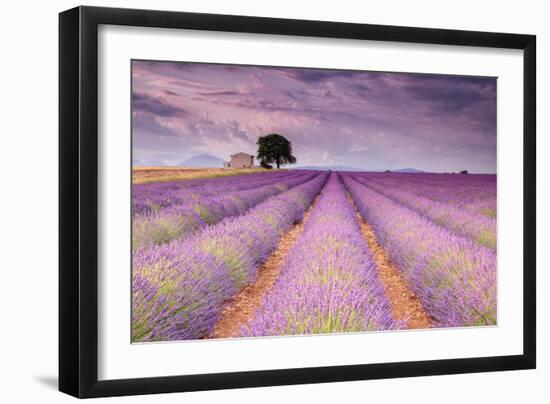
pixel 241 309
pixel 404 303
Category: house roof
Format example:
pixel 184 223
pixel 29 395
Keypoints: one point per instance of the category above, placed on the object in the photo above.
pixel 241 154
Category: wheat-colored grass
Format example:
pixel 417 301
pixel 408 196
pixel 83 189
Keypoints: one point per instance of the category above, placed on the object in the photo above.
pixel 141 175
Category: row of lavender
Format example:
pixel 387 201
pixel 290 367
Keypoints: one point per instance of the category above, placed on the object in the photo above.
pixel 475 193
pixel 201 209
pixel 152 197
pixel 329 282
pixel 179 288
pixel 454 277
pixel 454 217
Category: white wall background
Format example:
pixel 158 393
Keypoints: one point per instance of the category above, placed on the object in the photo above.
pixel 28 201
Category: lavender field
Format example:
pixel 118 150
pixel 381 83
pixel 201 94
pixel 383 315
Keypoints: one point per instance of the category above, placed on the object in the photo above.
pixel 290 252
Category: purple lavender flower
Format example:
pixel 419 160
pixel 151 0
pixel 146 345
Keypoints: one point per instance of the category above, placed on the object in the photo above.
pixel 179 288
pixel 454 277
pixel 453 215
pixel 329 282
pixel 186 212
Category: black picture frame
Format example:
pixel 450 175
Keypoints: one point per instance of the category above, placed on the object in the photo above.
pixel 78 200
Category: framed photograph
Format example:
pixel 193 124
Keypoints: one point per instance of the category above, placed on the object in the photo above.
pixel 250 201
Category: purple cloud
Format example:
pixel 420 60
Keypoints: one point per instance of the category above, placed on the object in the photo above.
pixel 155 105
pixel 363 119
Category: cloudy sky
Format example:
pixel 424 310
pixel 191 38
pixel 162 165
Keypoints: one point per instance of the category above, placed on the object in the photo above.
pixel 332 117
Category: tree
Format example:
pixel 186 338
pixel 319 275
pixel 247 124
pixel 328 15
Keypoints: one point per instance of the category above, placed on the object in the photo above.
pixel 263 164
pixel 464 172
pixel 275 149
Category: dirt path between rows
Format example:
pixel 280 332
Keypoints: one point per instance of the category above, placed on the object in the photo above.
pixel 404 303
pixel 240 310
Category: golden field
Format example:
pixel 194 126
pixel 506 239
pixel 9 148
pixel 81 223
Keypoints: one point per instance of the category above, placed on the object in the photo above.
pixel 141 175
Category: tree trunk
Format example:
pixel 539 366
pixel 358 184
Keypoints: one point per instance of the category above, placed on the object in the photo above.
pixel 278 163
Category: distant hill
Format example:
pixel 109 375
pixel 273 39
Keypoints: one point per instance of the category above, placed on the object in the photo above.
pixel 202 160
pixel 407 170
pixel 335 168
pixel 351 168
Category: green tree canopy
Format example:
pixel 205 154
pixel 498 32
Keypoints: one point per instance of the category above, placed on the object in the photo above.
pixel 275 149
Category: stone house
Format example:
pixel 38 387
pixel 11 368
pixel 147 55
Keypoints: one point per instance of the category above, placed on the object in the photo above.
pixel 240 160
